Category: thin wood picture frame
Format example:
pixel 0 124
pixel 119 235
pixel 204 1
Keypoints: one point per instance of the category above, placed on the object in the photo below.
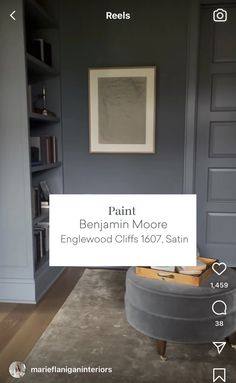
pixel 122 110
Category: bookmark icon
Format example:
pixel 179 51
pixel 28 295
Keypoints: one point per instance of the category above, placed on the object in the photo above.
pixel 220 346
pixel 219 374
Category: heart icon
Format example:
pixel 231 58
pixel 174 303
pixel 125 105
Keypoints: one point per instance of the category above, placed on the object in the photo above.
pixel 219 268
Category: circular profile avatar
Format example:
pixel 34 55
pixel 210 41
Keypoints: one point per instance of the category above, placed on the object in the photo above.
pixel 17 369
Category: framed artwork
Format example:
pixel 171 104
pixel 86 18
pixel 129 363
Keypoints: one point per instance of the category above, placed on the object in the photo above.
pixel 122 110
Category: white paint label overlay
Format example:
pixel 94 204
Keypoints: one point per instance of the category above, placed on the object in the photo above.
pixel 122 230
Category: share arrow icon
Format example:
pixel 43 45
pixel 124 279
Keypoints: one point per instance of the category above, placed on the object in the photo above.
pixel 220 346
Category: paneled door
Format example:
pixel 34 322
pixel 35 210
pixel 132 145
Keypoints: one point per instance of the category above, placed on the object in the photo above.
pixel 216 136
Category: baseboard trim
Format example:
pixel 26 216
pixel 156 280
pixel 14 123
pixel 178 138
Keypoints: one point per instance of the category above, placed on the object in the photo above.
pixel 28 290
pixel 17 290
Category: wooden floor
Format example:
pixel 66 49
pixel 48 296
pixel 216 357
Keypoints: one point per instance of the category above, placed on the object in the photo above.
pixel 21 325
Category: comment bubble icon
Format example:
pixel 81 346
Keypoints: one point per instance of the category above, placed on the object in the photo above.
pixel 219 308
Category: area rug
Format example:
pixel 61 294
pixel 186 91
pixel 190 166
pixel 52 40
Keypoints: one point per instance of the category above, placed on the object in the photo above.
pixel 89 340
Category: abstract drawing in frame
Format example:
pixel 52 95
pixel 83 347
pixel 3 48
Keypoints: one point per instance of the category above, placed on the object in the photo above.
pixel 122 110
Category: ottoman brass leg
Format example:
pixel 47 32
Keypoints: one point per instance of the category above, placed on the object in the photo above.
pixel 161 349
pixel 232 340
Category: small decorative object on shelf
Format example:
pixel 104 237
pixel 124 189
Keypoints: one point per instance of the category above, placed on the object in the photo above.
pixel 44 112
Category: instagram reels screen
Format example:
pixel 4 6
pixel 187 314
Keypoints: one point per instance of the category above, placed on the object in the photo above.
pixel 118 191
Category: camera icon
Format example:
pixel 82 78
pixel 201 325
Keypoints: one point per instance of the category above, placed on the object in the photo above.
pixel 220 15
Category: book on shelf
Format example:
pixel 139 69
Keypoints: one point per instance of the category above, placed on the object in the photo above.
pixel 164 268
pixel 42 50
pixel 49 149
pixel 44 227
pixel 36 245
pixel 41 241
pixel 35 150
pixel 40 200
pixel 39 245
pixel 43 150
pixel 45 192
pixel 36 202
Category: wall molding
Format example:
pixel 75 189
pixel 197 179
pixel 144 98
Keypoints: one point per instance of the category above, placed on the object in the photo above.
pixel 191 98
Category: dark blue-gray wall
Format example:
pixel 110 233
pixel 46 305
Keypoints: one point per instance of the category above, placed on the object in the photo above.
pixel 156 35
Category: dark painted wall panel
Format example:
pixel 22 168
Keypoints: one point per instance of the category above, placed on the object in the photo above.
pixel 156 35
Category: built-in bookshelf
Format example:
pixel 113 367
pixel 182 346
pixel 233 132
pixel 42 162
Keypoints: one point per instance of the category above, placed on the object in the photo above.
pixel 30 107
pixel 43 75
pixel 41 118
pixel 45 132
pixel 42 168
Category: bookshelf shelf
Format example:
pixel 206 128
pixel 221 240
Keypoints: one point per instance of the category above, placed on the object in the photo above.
pixel 41 118
pixel 42 168
pixel 38 16
pixel 38 67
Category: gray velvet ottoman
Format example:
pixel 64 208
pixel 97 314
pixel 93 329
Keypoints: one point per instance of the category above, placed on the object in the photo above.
pixel 180 313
